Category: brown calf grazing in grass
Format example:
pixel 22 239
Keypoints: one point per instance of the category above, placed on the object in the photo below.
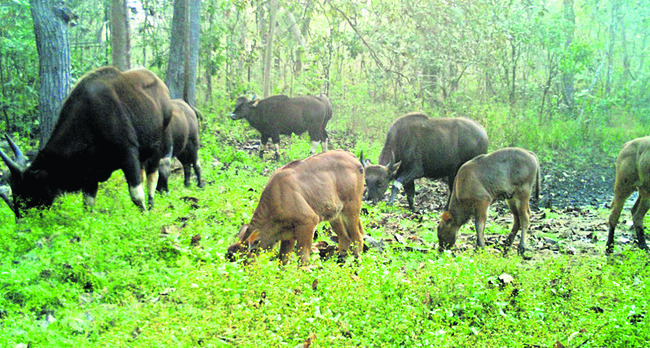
pixel 508 173
pixel 324 187
pixel 632 173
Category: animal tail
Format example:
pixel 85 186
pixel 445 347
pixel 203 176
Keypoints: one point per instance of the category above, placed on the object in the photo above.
pixel 538 184
pixel 199 115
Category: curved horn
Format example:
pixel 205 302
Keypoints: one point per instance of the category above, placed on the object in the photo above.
pixel 15 169
pixel 392 159
pixel 21 160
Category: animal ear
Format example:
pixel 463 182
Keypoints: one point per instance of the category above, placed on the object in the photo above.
pixel 446 216
pixel 366 163
pixel 252 240
pixel 255 102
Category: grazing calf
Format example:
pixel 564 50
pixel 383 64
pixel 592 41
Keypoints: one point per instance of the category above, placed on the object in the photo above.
pixel 184 133
pixel 508 173
pixel 280 114
pixel 418 146
pixel 324 187
pixel 632 173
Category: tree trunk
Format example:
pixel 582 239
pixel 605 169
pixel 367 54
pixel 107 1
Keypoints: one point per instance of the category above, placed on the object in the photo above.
pixel 299 48
pixel 208 66
pixel 567 76
pixel 268 54
pixel 610 49
pixel 513 88
pixel 120 36
pixel 50 28
pixel 175 75
pixel 192 59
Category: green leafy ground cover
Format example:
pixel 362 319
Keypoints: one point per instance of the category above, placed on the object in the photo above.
pixel 117 277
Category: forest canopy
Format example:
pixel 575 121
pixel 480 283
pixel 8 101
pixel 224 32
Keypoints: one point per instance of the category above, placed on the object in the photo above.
pixel 527 62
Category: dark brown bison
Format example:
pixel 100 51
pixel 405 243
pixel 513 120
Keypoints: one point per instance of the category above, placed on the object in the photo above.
pixel 111 120
pixel 184 132
pixel 418 146
pixel 280 114
pixel 510 174
pixel 632 173
pixel 324 187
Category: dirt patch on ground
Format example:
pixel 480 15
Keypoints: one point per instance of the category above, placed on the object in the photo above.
pixel 564 220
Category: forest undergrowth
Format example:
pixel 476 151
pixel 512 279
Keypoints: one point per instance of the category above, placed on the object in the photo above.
pixel 114 276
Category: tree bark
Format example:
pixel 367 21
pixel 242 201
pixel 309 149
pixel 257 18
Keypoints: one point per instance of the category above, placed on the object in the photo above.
pixel 184 50
pixel 208 66
pixel 613 28
pixel 192 59
pixel 567 76
pixel 50 28
pixel 175 75
pixel 268 53
pixel 292 27
pixel 120 35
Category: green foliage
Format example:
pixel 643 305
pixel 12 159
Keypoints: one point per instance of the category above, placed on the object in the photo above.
pixel 113 276
pixel 109 277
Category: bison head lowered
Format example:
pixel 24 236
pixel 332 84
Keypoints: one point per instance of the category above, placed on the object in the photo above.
pixel 25 183
pixel 447 231
pixel 378 177
pixel 246 244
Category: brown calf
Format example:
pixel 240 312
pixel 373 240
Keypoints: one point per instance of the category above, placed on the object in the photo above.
pixel 508 173
pixel 632 173
pixel 327 186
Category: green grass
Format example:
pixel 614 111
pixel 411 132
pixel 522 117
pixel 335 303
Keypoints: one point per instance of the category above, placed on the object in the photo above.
pixel 117 277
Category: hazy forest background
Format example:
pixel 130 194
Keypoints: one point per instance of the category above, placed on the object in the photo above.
pixel 567 79
pixel 552 74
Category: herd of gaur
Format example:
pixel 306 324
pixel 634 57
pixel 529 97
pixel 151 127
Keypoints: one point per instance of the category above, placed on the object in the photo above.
pixel 126 120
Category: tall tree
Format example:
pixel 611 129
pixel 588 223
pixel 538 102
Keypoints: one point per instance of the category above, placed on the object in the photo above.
pixel 569 30
pixel 268 52
pixel 120 35
pixel 184 50
pixel 298 41
pixel 50 28
pixel 192 61
pixel 175 76
pixel 613 30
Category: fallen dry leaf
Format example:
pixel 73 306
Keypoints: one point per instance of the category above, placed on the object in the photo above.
pixel 309 340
